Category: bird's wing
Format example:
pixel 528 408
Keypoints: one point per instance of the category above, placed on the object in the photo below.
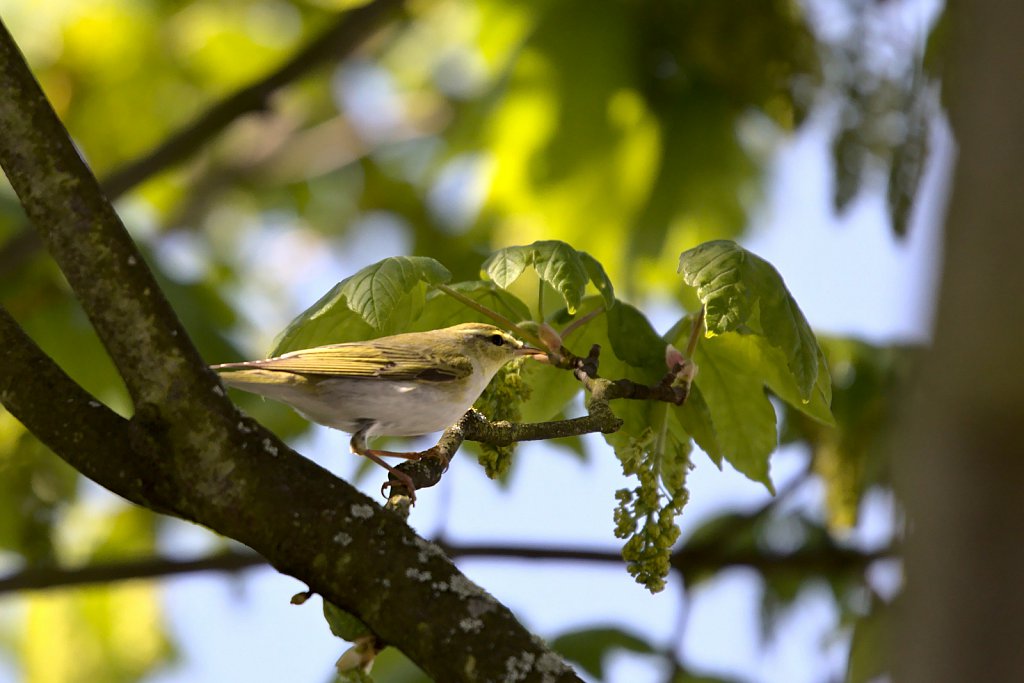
pixel 355 360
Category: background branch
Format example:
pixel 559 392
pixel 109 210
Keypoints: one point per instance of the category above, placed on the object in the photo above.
pixel 340 39
pixel 824 561
pixel 38 578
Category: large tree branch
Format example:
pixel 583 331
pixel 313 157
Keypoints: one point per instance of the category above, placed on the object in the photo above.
pixel 212 465
pixel 341 38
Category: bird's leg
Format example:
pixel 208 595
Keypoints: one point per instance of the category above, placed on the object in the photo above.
pixel 432 452
pixel 358 446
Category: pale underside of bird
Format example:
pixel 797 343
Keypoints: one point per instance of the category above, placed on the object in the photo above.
pixel 402 385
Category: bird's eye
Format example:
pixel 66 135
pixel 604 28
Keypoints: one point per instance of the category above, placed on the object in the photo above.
pixel 496 339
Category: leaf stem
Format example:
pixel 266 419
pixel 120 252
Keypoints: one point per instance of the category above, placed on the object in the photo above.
pixel 695 334
pixel 581 321
pixel 493 315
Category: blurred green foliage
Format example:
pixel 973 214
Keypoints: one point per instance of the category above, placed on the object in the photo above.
pixel 631 130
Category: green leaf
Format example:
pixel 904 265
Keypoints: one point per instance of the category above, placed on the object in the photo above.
pixel 908 160
pixel 328 321
pixel 343 624
pixel 375 291
pixel 743 417
pixel 379 299
pixel 590 647
pixel 552 390
pixel 506 265
pixel 870 646
pixel 695 417
pixel 768 361
pixel 600 278
pixel 556 263
pixel 743 292
pixel 633 338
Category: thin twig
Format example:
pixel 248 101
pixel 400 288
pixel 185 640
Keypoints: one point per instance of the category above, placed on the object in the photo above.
pixel 581 321
pixel 493 315
pixel 695 334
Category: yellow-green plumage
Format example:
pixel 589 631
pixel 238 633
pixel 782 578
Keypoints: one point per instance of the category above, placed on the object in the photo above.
pixel 402 385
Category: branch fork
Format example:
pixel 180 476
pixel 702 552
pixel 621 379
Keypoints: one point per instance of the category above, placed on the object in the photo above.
pixel 426 471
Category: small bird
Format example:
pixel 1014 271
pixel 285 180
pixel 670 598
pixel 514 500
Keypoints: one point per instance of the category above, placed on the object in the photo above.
pixel 401 385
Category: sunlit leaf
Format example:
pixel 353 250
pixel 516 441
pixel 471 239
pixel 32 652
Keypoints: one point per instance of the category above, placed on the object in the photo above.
pixel 556 263
pixel 600 278
pixel 96 634
pixel 378 300
pixel 743 292
pixel 374 292
pixel 693 198
pixel 769 362
pixel 743 417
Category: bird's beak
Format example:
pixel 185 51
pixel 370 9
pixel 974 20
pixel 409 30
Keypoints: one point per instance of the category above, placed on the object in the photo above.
pixel 529 351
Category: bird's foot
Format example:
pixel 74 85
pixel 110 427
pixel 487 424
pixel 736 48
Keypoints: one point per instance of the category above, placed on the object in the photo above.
pixel 398 480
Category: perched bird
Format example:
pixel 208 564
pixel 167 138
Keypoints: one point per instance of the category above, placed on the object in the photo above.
pixel 402 385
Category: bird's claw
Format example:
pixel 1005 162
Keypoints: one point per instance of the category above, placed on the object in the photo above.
pixel 405 481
